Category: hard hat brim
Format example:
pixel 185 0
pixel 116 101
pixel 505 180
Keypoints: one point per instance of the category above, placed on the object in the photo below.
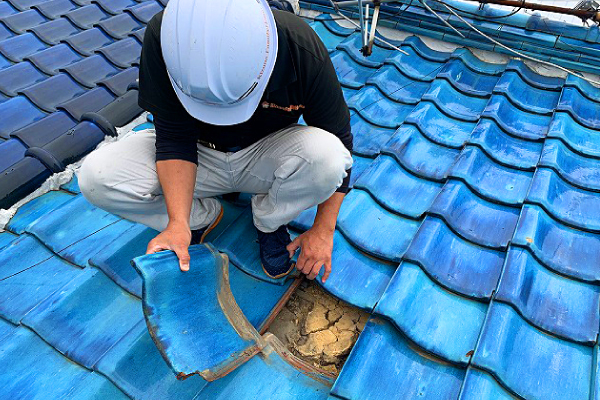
pixel 233 114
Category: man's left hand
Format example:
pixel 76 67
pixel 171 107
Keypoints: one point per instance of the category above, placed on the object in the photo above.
pixel 316 246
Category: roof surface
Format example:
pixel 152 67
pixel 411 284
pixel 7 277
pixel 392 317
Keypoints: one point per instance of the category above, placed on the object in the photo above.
pixel 472 233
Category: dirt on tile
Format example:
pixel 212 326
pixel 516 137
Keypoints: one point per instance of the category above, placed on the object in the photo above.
pixel 319 328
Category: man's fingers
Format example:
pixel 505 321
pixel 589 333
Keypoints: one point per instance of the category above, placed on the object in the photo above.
pixel 314 271
pixel 327 271
pixel 155 248
pixel 184 258
pixel 301 263
pixel 292 247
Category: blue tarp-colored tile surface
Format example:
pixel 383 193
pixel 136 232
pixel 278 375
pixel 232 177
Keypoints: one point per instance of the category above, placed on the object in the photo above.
pixel 471 233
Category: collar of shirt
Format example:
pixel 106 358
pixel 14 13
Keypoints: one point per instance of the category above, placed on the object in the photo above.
pixel 284 72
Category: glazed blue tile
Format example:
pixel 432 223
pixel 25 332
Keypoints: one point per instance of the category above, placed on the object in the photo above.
pixel 453 262
pixel 12 260
pixel 21 179
pixel 543 360
pixel 477 65
pixel 11 151
pixel 359 165
pixel 568 251
pixel 413 65
pixel 18 47
pixel 466 80
pixel 88 41
pixel 24 5
pixel 53 32
pixel 425 51
pixel 396 189
pixel 71 222
pixel 81 251
pixel 348 93
pixel 398 86
pixel 22 292
pixel 91 101
pixel 123 53
pixel 22 21
pixel 419 155
pixel 539 296
pixel 5 33
pixel 115 6
pixel 6 238
pixel 53 91
pixel 481 385
pixel 51 60
pixel 86 317
pixel 505 149
pixel 97 387
pixel 145 10
pixel 579 46
pixel 454 103
pixel 383 365
pixel 17 113
pixel 18 77
pixel 438 127
pixel 489 179
pixel 534 79
pixel 120 25
pixel 90 70
pixel 7 9
pixel 210 345
pixel 579 138
pixel 374 230
pixel 440 322
pixel 477 220
pixel 330 36
pixel 352 46
pixel 87 16
pixel 6 329
pixel 119 83
pixel 55 8
pixel 582 109
pixel 270 375
pixel 240 243
pixel 514 121
pixel 368 139
pixel 115 259
pixel 136 366
pixel 545 39
pixel 586 88
pixel 144 126
pixel 569 204
pixel 379 110
pixel 525 96
pixel 72 186
pixel 31 369
pixel 4 63
pixel 574 168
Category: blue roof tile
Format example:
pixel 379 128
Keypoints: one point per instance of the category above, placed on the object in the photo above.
pixel 514 121
pixel 384 365
pixel 465 80
pixel 53 32
pixel 45 130
pixel 120 25
pixel 18 47
pixel 507 337
pixel 12 258
pixel 569 204
pixel 35 209
pixel 413 65
pixel 586 88
pixel 396 189
pixel 420 155
pixel 491 180
pixel 144 11
pixel 5 33
pixel 397 86
pixel 53 91
pixel 368 139
pixel 475 219
pixel 123 53
pixel 85 318
pixel 88 41
pixel 17 113
pixel 90 70
pixel 350 73
pixel 119 83
pixel 538 295
pixel 378 109
pixel 115 6
pixel 91 101
pixel 568 251
pixel 11 152
pixel 7 9
pixel 581 108
pixel 503 148
pixel 577 137
pixel 51 60
pixel 22 21
pixel 86 17
pixel 352 46
pixel 55 8
pixel 330 32
pixel 481 385
pixel 19 76
pixel 527 97
pixel 578 170
pixel 455 263
pixel 373 229
pixel 21 179
pixel 166 296
pixel 439 321
pixel 453 103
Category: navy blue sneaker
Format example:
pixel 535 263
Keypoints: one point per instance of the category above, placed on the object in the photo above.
pixel 274 257
pixel 198 235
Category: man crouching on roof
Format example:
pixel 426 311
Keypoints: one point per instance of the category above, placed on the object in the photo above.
pixel 226 82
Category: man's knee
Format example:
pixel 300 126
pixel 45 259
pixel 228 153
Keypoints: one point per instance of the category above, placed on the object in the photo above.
pixel 328 157
pixel 93 178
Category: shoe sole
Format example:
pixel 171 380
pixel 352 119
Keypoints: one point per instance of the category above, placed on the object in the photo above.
pixel 280 275
pixel 212 226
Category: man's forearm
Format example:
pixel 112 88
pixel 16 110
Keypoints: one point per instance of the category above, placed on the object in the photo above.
pixel 177 178
pixel 327 212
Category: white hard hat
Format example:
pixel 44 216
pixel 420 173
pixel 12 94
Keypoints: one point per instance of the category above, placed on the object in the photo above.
pixel 219 56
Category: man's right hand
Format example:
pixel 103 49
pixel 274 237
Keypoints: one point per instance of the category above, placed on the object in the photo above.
pixel 176 237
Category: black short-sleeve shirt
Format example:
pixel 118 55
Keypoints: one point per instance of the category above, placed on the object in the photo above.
pixel 303 82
